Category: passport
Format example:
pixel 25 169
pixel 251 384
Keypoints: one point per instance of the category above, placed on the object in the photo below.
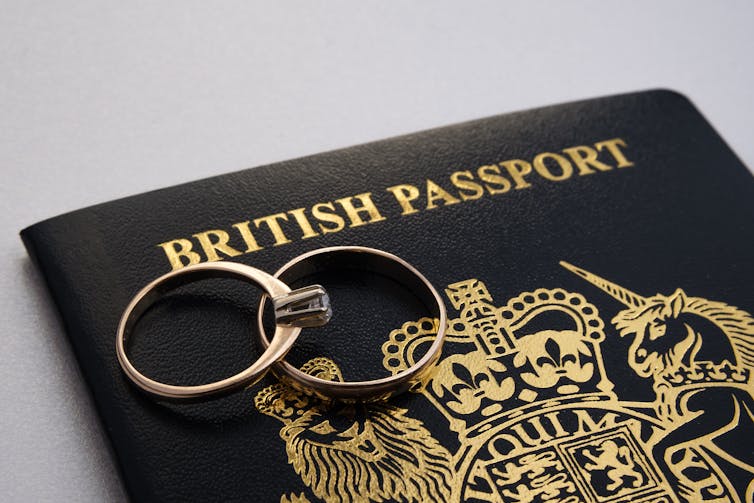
pixel 596 262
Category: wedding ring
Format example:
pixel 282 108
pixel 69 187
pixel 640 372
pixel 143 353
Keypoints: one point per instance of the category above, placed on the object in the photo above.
pixel 304 307
pixel 294 309
pixel 372 260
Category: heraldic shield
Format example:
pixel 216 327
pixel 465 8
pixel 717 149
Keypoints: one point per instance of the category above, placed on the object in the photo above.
pixel 526 392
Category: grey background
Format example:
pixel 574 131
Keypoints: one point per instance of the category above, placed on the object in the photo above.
pixel 99 101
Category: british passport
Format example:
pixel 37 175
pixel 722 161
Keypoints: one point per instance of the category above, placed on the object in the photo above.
pixel 596 262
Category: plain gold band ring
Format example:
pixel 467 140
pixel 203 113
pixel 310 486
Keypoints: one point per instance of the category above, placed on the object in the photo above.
pixel 382 263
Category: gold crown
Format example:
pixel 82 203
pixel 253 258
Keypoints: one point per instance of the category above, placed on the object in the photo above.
pixel 709 372
pixel 285 403
pixel 542 345
pixel 271 399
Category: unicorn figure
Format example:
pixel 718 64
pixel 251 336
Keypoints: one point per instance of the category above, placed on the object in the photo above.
pixel 700 356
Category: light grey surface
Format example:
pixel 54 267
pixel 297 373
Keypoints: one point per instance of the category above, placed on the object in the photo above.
pixel 102 101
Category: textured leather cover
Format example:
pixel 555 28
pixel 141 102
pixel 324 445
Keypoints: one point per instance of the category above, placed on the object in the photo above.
pixel 623 373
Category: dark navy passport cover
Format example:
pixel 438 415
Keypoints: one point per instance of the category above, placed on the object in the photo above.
pixel 596 262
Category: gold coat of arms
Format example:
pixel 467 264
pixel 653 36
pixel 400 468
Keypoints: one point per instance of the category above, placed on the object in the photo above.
pixel 534 412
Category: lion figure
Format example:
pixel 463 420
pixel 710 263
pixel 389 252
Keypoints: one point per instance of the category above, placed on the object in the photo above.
pixel 357 452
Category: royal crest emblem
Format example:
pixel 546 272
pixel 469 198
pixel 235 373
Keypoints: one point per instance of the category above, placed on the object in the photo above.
pixel 532 411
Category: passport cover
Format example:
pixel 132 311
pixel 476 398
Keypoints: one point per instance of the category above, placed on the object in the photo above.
pixel 596 262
